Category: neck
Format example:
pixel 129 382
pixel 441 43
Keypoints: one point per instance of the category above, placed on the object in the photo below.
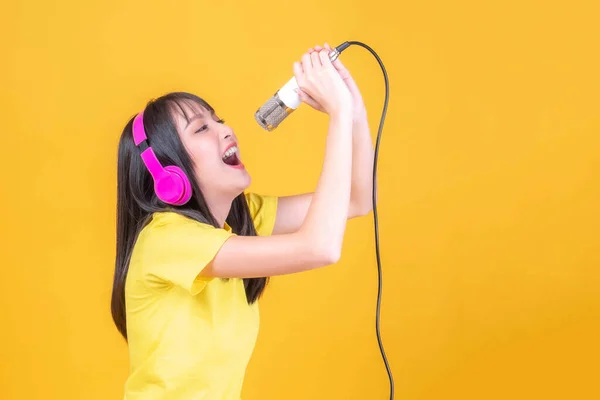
pixel 219 206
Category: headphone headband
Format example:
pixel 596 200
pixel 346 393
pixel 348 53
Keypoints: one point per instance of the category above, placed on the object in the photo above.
pixel 139 133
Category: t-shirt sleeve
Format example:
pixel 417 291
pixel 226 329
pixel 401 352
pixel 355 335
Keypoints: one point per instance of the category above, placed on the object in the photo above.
pixel 179 250
pixel 263 210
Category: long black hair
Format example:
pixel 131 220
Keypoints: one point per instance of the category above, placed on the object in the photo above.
pixel 136 200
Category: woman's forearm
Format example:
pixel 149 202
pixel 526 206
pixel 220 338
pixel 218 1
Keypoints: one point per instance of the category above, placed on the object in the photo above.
pixel 361 192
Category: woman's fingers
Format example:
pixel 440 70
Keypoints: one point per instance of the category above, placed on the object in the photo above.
pixel 324 57
pixel 319 84
pixel 309 100
pixel 299 73
pixel 316 61
pixel 307 64
pixel 338 64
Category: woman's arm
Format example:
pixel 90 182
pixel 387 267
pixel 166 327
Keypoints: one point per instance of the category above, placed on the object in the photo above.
pixel 318 241
pixel 291 210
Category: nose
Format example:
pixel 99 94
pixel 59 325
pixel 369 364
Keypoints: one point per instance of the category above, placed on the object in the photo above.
pixel 227 132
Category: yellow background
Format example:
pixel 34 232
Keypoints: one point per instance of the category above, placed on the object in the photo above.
pixel 489 191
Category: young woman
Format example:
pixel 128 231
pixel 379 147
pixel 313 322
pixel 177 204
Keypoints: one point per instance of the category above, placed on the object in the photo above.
pixel 194 249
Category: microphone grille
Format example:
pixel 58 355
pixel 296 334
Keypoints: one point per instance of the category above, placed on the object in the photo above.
pixel 270 115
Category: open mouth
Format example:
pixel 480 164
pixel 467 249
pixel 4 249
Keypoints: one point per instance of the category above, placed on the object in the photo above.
pixel 231 157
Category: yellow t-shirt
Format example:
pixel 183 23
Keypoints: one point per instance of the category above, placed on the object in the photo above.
pixel 189 337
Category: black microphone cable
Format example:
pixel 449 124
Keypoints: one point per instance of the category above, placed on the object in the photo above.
pixel 339 49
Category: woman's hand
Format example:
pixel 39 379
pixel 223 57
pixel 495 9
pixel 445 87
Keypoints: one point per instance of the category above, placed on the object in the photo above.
pixel 358 105
pixel 319 80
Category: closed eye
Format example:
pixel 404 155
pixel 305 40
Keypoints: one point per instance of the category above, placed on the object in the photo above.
pixel 202 128
pixel 205 127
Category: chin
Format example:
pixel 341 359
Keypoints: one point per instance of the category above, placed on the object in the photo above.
pixel 243 183
pixel 247 181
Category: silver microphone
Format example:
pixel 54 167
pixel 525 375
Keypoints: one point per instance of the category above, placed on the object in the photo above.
pixel 283 102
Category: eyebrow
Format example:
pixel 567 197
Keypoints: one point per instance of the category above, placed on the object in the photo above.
pixel 195 117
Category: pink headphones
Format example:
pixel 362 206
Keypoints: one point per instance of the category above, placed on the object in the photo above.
pixel 171 185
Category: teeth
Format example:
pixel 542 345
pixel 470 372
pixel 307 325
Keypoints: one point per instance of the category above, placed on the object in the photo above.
pixel 230 152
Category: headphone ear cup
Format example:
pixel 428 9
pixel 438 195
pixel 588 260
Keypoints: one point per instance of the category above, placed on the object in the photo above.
pixel 174 188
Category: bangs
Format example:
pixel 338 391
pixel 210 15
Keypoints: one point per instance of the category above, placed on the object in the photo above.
pixel 187 105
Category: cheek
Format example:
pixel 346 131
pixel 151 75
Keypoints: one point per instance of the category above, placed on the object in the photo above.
pixel 205 156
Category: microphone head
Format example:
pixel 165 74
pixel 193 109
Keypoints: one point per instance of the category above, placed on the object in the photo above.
pixel 270 115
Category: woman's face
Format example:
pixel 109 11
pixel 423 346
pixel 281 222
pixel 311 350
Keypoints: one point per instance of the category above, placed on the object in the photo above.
pixel 213 147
